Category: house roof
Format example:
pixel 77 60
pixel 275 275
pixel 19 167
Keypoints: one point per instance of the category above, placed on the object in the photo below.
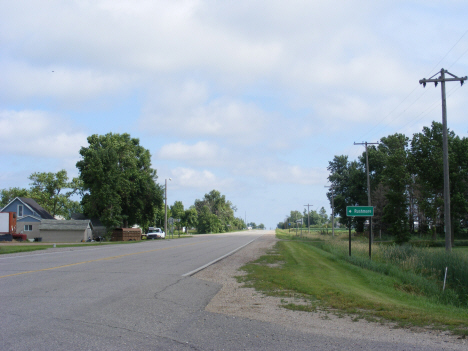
pixel 95 221
pixel 33 205
pixel 28 218
pixel 72 224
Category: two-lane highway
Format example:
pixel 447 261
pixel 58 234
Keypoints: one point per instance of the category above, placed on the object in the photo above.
pixel 88 298
pixel 137 297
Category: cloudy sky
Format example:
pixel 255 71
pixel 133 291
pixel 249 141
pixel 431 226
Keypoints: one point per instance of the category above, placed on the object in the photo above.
pixel 252 98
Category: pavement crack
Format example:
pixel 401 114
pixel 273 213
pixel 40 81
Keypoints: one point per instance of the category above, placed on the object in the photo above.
pixel 166 288
pixel 185 343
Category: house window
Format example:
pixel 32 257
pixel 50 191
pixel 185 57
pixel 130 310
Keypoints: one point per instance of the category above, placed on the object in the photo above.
pixel 28 227
pixel 20 210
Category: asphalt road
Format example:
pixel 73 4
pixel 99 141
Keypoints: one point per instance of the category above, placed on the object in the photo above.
pixel 136 297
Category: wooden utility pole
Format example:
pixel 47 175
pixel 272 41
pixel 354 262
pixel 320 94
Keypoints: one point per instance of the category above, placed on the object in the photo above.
pixel 371 239
pixel 333 208
pixel 308 218
pixel 442 80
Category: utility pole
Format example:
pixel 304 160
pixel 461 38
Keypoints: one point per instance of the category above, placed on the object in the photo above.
pixel 165 208
pixel 308 218
pixel 333 207
pixel 371 239
pixel 442 80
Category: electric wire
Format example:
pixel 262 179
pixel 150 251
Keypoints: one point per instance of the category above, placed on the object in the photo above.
pixel 427 110
pixel 412 103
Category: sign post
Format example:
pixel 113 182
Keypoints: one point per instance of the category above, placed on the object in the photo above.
pixel 360 211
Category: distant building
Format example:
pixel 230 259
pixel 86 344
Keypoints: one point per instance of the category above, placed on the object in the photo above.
pixel 29 215
pixel 67 231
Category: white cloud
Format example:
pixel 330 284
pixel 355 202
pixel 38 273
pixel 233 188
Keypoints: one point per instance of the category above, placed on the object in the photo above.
pixel 37 133
pixel 189 112
pixel 22 80
pixel 200 153
pixel 191 178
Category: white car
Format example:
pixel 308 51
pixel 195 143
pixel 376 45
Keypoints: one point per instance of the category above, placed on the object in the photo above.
pixel 155 233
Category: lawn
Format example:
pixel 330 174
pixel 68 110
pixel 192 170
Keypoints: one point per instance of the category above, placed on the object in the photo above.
pixel 314 278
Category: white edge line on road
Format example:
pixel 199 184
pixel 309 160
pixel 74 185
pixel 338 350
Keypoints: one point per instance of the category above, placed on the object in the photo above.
pixel 216 260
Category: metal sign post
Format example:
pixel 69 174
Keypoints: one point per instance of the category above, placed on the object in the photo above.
pixel 360 211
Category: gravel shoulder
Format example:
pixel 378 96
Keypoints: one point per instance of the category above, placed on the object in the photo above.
pixel 235 300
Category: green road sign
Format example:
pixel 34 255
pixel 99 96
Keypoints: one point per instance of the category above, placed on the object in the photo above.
pixel 359 211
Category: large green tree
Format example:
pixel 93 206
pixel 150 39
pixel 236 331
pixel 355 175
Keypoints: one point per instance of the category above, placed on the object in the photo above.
pixel 396 178
pixel 350 188
pixel 208 222
pixel 217 205
pixel 118 182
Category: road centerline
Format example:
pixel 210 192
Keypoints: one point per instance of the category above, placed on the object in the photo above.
pixel 98 259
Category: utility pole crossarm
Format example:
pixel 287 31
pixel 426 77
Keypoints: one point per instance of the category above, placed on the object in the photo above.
pixel 442 78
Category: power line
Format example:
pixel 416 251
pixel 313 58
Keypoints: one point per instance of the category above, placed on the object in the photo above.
pixel 427 110
pixel 407 96
pixel 442 80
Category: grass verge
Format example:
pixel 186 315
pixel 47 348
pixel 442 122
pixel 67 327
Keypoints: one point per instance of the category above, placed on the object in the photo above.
pixel 315 279
pixel 24 247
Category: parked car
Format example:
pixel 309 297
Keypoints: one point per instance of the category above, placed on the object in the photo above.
pixel 154 233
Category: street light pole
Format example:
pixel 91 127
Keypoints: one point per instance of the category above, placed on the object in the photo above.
pixel 165 208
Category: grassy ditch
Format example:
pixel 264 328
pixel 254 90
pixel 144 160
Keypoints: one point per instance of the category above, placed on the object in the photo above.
pixel 307 277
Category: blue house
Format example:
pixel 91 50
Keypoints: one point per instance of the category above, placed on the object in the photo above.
pixel 29 215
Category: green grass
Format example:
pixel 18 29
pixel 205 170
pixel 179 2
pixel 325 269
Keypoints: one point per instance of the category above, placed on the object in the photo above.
pixel 25 247
pixel 307 278
pixel 6 249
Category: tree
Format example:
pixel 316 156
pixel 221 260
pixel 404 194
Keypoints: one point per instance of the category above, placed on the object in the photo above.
pixel 47 188
pixel 396 178
pixel 323 216
pixel 190 218
pixel 8 195
pixel 350 188
pixel 208 222
pixel 217 205
pixel 118 182
pixel 426 155
pixel 177 212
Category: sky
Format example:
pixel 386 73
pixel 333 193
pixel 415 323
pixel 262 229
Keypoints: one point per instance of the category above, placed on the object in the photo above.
pixel 251 98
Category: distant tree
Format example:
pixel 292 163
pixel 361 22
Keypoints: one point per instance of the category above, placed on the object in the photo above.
pixel 8 195
pixel 208 222
pixel 217 205
pixel 252 225
pixel 48 189
pixel 177 212
pixel 190 218
pixel 261 226
pixel 323 216
pixel 118 181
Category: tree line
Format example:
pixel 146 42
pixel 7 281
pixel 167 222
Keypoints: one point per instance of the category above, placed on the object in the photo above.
pixel 406 177
pixel 118 185
pixel 312 218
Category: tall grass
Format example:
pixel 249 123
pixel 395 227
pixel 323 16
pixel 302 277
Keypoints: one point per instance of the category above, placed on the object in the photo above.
pixel 431 263
pixel 421 270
